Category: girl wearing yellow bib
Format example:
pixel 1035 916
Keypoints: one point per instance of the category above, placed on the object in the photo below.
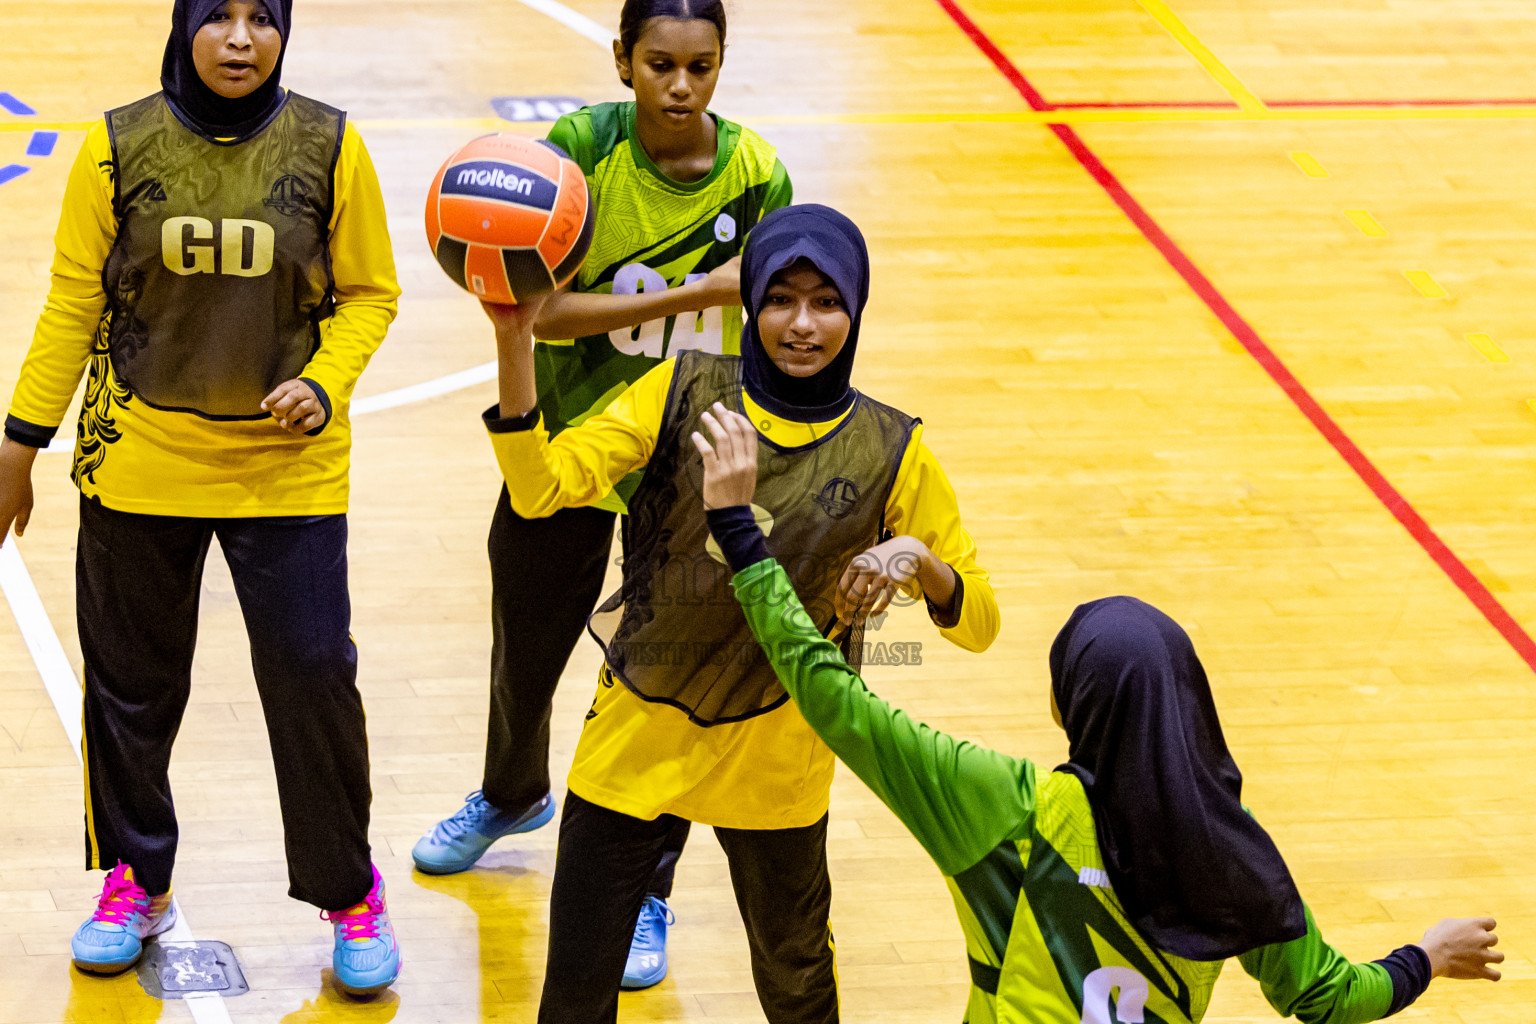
pixel 689 722
pixel 223 275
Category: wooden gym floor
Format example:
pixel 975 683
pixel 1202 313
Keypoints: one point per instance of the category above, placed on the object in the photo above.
pixel 1225 305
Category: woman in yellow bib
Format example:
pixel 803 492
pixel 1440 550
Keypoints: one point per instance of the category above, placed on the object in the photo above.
pixel 689 722
pixel 223 273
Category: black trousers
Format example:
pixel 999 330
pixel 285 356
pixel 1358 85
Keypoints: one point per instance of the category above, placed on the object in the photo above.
pixel 546 577
pixel 137 580
pixel 605 858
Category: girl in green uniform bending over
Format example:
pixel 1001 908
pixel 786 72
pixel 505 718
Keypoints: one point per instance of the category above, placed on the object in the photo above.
pixel 1112 888
pixel 677 188
pixel 224 273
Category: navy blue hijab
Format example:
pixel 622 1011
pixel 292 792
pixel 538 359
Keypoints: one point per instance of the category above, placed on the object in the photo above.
pixel 199 107
pixel 1196 874
pixel 834 245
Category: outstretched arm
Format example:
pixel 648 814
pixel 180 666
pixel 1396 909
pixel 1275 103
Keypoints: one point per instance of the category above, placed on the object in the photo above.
pixel 958 799
pixel 1310 980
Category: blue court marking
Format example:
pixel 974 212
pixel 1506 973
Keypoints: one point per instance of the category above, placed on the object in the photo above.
pixel 12 171
pixel 42 143
pixel 14 105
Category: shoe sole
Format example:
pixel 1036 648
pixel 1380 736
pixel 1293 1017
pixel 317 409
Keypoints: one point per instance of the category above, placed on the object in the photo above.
pixel 636 985
pixel 108 967
pixel 368 992
pixel 538 821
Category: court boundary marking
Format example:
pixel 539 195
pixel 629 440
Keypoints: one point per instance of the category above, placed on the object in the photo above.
pixel 63 688
pixel 1404 512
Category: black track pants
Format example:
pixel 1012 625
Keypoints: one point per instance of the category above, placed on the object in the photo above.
pixel 137 582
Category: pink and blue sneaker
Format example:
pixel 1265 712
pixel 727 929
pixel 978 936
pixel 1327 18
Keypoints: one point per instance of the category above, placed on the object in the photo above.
pixel 366 959
pixel 113 939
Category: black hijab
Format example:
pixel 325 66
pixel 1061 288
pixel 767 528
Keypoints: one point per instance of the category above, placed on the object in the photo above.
pixel 1197 875
pixel 198 106
pixel 834 245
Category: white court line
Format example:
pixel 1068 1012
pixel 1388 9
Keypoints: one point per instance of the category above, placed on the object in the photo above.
pixel 578 23
pixel 63 688
pixel 426 389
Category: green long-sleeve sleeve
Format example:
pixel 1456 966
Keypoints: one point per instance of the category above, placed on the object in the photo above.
pixel 1308 979
pixel 961 801
pixel 958 799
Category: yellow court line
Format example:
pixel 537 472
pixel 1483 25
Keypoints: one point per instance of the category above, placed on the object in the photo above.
pixel 1427 285
pixel 1369 226
pixel 1309 164
pixel 1488 347
pixel 1212 64
pixel 1141 115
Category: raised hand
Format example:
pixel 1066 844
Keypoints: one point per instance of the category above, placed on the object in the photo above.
pixel 730 463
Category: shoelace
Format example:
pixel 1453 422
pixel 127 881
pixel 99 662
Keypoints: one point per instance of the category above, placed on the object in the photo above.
pixel 360 922
pixel 645 928
pixel 475 810
pixel 120 900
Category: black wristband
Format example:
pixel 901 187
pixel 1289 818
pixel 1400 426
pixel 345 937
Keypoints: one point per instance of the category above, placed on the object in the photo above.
pixel 29 434
pixel 325 403
pixel 738 535
pixel 1411 974
pixel 496 423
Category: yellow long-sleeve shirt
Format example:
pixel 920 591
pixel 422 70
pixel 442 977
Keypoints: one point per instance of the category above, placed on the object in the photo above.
pixel 645 759
pixel 176 463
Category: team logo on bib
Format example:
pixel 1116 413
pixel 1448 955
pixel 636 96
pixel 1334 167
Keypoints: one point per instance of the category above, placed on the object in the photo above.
pixel 725 227
pixel 288 195
pixel 838 497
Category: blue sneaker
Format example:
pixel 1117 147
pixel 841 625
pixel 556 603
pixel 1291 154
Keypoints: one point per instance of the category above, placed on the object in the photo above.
pixel 647 963
pixel 366 959
pixel 113 939
pixel 455 843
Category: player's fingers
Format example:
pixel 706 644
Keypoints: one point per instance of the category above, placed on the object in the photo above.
pixel 846 597
pixel 724 442
pixel 705 450
pixel 279 393
pixel 887 594
pixel 22 518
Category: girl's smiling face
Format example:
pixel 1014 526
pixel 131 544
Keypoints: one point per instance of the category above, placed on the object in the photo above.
pixel 236 49
pixel 673 68
pixel 803 320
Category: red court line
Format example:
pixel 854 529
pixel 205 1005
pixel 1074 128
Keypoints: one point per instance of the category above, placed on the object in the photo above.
pixel 1388 495
pixel 1178 105
pixel 1294 104
pixel 1283 104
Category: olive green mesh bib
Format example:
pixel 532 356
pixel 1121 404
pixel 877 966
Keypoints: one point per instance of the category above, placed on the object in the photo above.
pixel 674 633
pixel 221 271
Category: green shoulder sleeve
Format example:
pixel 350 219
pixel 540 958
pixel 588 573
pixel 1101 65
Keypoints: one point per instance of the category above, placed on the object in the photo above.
pixel 1310 980
pixel 780 192
pixel 573 133
pixel 959 800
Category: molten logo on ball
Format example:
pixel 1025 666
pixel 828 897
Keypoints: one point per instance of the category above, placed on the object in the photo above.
pixel 497 179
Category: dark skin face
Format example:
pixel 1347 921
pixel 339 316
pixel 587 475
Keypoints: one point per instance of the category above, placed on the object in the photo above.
pixel 673 68
pixel 236 49
pixel 804 322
